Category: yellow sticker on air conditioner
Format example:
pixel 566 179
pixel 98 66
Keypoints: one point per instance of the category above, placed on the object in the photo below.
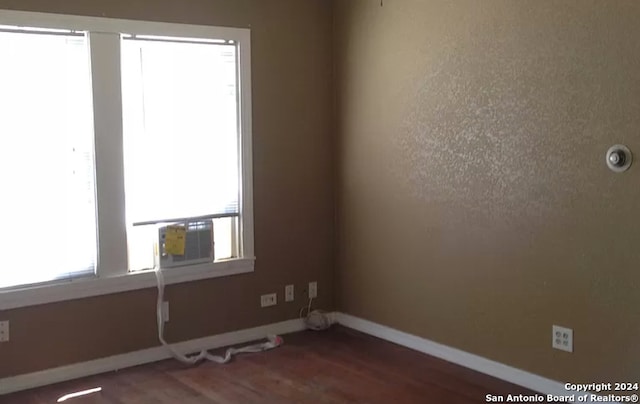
pixel 174 241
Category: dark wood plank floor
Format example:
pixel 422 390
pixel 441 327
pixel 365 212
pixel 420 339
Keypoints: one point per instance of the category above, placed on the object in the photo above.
pixel 335 366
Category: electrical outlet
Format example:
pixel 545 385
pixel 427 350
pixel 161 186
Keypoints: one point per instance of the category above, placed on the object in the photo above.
pixel 562 338
pixel 4 331
pixel 288 293
pixel 313 290
pixel 268 300
pixel 165 312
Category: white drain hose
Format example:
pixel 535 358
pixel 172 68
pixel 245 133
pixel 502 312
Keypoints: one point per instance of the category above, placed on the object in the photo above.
pixel 274 341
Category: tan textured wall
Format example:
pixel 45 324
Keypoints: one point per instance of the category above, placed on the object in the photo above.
pixel 475 207
pixel 293 193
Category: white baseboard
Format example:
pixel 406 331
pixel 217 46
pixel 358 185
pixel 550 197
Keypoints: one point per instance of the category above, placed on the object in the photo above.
pixel 498 370
pixel 112 363
pixel 103 365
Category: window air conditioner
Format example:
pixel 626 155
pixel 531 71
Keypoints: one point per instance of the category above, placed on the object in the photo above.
pixel 198 245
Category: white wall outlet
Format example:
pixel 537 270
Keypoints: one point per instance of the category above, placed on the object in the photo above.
pixel 313 290
pixel 562 338
pixel 4 331
pixel 288 293
pixel 268 300
pixel 165 312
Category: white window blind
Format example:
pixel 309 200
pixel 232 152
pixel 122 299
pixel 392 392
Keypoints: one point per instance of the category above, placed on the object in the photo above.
pixel 180 129
pixel 47 215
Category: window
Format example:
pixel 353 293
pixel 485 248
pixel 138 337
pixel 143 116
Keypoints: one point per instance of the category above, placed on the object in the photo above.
pixel 46 160
pixel 180 138
pixel 112 129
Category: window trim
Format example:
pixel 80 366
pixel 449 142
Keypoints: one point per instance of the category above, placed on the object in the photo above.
pixel 83 287
pixel 112 274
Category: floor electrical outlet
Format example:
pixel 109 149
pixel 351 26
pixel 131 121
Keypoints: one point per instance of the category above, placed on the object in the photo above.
pixel 288 293
pixel 562 338
pixel 268 300
pixel 165 312
pixel 313 290
pixel 4 331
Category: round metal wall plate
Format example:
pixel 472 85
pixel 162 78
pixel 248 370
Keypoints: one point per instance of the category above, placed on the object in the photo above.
pixel 619 158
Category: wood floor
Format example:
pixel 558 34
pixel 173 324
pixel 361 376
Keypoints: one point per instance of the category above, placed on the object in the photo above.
pixel 335 366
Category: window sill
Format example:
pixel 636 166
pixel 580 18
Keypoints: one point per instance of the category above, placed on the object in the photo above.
pixel 87 287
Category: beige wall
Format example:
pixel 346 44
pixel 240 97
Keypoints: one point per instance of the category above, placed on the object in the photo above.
pixel 475 208
pixel 293 191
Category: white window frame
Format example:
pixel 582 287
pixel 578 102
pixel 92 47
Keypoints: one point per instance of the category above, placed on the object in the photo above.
pixel 112 275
